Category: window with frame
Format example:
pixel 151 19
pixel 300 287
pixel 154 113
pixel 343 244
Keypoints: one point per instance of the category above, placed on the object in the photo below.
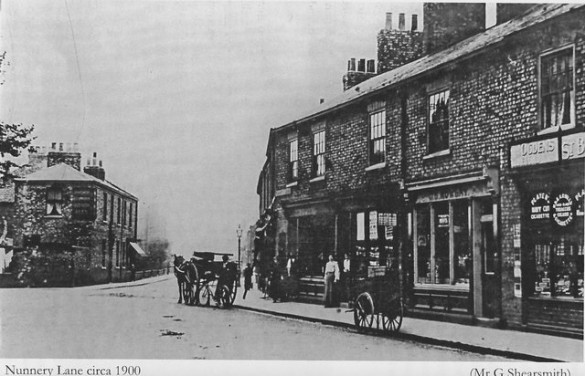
pixel 117 253
pixel 378 137
pixel 130 213
pixel 105 208
pixel 319 153
pixel 118 211
pixel 124 208
pixel 54 201
pixel 557 92
pixel 293 160
pixel 438 131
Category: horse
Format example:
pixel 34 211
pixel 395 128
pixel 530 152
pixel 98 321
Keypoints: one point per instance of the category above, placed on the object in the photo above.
pixel 186 274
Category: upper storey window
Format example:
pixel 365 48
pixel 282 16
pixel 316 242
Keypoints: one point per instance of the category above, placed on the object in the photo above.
pixel 438 134
pixel 557 90
pixel 293 160
pixel 377 132
pixel 319 153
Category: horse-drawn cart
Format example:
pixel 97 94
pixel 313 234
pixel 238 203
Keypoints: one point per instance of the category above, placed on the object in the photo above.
pixel 207 276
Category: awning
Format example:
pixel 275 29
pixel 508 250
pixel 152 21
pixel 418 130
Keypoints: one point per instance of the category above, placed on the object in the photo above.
pixel 137 248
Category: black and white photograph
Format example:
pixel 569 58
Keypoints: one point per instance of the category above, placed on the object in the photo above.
pixel 291 187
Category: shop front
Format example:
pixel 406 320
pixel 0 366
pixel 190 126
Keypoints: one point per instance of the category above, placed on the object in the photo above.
pixel 454 228
pixel 549 173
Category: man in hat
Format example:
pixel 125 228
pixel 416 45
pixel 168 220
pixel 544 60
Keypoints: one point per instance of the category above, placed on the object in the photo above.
pixel 225 277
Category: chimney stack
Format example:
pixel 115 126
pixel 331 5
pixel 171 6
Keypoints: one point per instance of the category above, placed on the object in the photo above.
pixel 365 69
pixel 64 153
pixel 401 22
pixel 95 168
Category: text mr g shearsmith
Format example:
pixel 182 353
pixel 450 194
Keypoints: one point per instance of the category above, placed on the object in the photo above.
pixel 517 372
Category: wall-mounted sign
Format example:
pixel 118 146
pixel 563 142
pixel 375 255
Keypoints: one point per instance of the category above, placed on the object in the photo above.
pixel 387 219
pixel 579 203
pixel 517 235
pixel 563 209
pixel 443 220
pixel 573 146
pixel 540 206
pixel 360 220
pixel 535 152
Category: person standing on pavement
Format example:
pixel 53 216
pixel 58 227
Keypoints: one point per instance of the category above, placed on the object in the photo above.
pixel 247 279
pixel 346 276
pixel 274 279
pixel 331 276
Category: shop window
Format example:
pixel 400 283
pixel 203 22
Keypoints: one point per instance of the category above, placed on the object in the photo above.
pixel 557 93
pixel 462 249
pixel 378 137
pixel 559 268
pixel 55 201
pixel 374 246
pixel 319 153
pixel 293 160
pixel 438 131
pixel 443 251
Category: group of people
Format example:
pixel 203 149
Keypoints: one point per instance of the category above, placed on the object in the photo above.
pixel 282 283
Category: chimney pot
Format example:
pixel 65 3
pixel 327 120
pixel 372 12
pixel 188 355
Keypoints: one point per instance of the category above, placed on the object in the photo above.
pixel 94 154
pixel 352 64
pixel 54 145
pixel 322 100
pixel 362 65
pixel 414 26
pixel 388 21
pixel 371 68
pixel 401 21
pixel 60 146
pixel 100 163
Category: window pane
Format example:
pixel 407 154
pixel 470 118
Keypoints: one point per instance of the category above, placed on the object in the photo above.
pixel 463 265
pixel 556 88
pixel 438 137
pixel 423 235
pixel 442 221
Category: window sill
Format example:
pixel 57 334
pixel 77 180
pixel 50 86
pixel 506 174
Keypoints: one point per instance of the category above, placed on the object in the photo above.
pixel 54 216
pixel 318 178
pixel 377 166
pixel 437 154
pixel 293 184
pixel 549 298
pixel 556 129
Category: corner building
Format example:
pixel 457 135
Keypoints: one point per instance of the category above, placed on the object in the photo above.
pixel 465 166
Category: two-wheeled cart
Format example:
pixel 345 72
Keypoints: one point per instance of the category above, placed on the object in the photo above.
pixel 378 300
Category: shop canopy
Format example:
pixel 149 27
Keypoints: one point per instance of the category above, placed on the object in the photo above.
pixel 138 249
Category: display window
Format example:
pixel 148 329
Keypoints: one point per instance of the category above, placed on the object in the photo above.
pixel 443 252
pixel 556 244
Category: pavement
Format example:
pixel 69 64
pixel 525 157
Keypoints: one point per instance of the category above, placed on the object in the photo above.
pixel 500 342
pixel 508 343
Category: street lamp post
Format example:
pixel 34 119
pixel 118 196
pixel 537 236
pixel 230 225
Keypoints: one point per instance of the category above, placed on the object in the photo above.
pixel 239 232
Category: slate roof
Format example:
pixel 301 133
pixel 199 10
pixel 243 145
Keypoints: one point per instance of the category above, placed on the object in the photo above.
pixel 465 48
pixel 65 173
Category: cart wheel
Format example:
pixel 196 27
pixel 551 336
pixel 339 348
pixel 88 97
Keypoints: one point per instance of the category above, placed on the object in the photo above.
pixel 225 297
pixel 392 318
pixel 363 314
pixel 204 295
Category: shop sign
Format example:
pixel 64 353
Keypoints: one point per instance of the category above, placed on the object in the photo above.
pixel 573 146
pixel 443 220
pixel 373 225
pixel 563 210
pixel 387 219
pixel 540 206
pixel 360 220
pixel 534 153
pixel 579 203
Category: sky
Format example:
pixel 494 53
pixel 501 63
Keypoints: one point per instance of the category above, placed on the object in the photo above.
pixel 177 97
